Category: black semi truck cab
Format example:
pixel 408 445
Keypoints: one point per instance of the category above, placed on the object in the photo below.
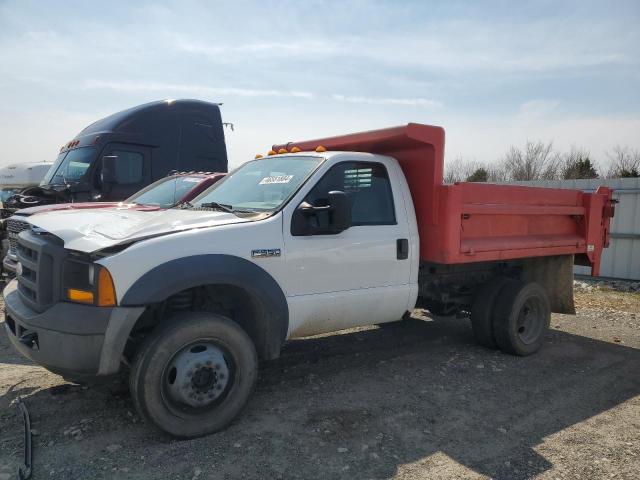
pixel 115 157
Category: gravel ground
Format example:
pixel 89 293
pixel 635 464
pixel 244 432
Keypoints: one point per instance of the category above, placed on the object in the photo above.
pixel 414 400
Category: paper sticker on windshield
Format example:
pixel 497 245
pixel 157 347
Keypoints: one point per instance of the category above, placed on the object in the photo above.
pixel 276 179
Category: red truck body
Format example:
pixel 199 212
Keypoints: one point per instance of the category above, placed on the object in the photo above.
pixel 477 222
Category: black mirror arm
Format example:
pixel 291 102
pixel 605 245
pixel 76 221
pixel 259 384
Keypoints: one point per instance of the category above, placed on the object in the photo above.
pixel 309 209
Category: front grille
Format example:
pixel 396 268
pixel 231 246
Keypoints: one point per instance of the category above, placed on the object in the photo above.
pixel 41 257
pixel 14 227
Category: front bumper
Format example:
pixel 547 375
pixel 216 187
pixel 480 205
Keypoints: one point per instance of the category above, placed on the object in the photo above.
pixel 68 338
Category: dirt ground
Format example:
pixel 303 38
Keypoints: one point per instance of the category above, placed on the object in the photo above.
pixel 414 400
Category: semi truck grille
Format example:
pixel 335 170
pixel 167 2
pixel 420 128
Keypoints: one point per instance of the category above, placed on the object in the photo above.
pixel 14 227
pixel 40 257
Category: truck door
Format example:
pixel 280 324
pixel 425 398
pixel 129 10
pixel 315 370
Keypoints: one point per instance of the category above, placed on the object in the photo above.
pixel 133 171
pixel 361 275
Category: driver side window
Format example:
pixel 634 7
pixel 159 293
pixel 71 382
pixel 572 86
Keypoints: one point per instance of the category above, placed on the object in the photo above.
pixel 367 187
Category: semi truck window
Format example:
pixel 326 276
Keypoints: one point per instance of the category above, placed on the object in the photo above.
pixel 129 167
pixel 70 166
pixel 367 186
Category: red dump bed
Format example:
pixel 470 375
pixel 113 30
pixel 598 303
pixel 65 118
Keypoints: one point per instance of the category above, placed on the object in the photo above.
pixel 475 222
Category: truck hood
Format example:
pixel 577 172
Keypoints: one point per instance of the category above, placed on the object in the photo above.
pixel 81 206
pixel 92 230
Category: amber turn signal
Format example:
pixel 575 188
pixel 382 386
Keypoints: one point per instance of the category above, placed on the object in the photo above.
pixel 106 290
pixel 81 296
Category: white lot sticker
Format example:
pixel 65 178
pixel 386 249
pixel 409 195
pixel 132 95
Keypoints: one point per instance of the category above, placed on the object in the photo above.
pixel 276 179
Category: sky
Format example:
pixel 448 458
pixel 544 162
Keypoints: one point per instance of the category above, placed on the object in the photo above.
pixel 492 73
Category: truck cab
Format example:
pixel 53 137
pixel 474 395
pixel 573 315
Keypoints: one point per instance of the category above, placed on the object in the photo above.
pixel 316 237
pixel 116 156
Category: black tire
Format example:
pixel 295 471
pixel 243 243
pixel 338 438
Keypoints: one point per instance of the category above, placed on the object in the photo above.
pixel 167 358
pixel 482 311
pixel 521 318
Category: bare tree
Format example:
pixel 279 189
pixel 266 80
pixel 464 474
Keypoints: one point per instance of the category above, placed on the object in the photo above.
pixel 537 161
pixel 460 170
pixel 497 173
pixel 624 162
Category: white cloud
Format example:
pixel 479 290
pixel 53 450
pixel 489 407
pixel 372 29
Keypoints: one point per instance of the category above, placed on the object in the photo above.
pixel 216 51
pixel 534 109
pixel 193 89
pixel 408 102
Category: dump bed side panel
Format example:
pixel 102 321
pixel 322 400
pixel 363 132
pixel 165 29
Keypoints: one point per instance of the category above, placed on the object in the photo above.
pixel 484 222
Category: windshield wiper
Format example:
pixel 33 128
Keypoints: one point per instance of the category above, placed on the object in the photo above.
pixel 218 206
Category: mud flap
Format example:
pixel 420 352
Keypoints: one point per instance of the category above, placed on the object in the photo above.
pixel 555 274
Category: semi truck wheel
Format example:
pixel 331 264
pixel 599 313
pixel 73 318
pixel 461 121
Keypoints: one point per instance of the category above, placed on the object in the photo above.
pixel 482 311
pixel 521 319
pixel 194 375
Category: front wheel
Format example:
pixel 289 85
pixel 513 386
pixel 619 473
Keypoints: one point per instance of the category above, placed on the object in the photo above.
pixel 194 375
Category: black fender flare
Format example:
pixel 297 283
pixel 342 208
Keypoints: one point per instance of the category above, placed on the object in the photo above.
pixel 169 278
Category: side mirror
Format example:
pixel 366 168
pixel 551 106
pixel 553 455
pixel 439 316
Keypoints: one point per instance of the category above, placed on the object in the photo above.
pixel 339 211
pixel 108 175
pixel 330 219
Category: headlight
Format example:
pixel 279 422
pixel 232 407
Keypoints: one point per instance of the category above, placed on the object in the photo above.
pixel 88 283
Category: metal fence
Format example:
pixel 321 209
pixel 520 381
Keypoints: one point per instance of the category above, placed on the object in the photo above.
pixel 622 258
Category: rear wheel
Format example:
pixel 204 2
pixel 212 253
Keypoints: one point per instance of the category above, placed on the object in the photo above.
pixel 522 316
pixel 194 375
pixel 482 311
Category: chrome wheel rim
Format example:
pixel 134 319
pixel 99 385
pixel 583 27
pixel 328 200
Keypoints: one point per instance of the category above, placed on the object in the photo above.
pixel 197 376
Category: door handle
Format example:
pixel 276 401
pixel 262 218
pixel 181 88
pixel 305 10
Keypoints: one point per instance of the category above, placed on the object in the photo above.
pixel 402 249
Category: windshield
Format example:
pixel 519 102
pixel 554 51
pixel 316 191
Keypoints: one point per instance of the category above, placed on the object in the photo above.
pixel 260 185
pixel 69 166
pixel 166 192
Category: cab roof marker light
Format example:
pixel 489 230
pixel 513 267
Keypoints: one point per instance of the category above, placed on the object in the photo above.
pixel 295 150
pixel 271 152
pixel 282 150
pixel 320 149
pixel 257 156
